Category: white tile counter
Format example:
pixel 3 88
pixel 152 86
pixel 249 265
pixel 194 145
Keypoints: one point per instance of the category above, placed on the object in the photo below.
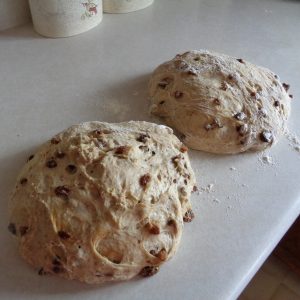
pixel 47 85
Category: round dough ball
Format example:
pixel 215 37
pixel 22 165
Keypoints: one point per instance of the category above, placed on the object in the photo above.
pixel 218 103
pixel 103 202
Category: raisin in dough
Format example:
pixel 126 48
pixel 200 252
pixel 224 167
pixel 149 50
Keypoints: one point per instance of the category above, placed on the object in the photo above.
pixel 218 103
pixel 103 202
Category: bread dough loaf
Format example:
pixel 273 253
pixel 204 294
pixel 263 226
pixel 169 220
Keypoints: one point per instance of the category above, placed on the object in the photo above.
pixel 103 202
pixel 125 6
pixel 219 103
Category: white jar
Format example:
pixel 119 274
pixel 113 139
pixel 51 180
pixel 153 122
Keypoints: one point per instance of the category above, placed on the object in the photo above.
pixel 124 6
pixel 62 18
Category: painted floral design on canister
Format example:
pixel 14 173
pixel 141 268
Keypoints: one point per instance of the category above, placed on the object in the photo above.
pixel 90 9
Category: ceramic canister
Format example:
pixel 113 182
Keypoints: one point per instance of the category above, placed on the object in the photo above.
pixel 62 18
pixel 124 6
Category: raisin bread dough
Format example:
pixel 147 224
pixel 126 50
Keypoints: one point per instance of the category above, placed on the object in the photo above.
pixel 218 103
pixel 103 202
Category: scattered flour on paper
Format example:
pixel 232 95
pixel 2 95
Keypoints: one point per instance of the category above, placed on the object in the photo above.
pixel 233 200
pixel 115 108
pixel 266 159
pixel 207 189
pixel 268 11
pixel 207 193
pixel 216 200
pixel 294 140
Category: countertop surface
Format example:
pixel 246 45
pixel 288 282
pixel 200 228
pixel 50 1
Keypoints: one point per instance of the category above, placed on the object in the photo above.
pixel 244 205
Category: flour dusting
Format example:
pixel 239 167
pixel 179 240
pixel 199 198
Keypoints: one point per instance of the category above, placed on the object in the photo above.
pixel 267 159
pixel 216 200
pixel 294 140
pixel 207 189
pixel 117 109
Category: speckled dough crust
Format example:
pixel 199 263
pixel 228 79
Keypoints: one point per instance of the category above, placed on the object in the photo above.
pixel 218 103
pixel 103 202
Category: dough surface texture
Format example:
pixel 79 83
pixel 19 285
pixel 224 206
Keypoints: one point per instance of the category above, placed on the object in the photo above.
pixel 218 103
pixel 103 202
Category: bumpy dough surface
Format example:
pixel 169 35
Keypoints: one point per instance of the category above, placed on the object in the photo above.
pixel 103 202
pixel 218 103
